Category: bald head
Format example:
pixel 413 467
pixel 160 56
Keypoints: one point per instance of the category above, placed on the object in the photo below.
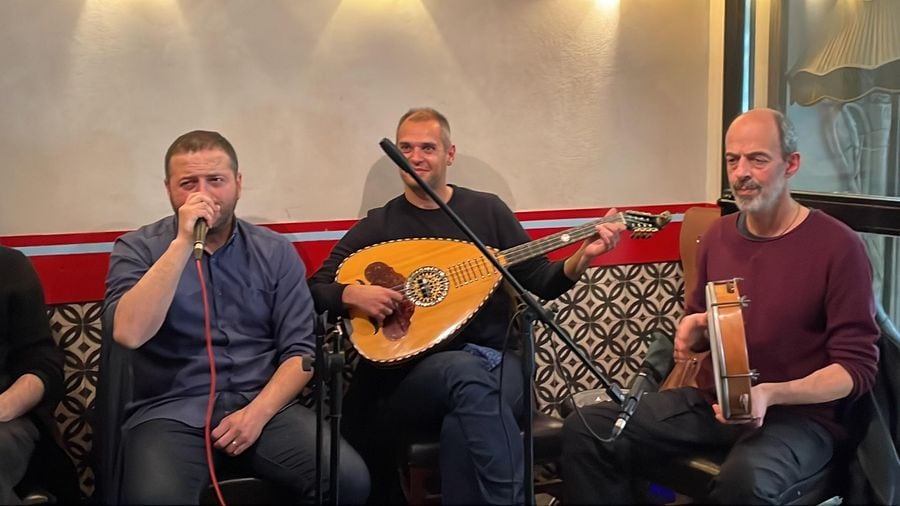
pixel 772 120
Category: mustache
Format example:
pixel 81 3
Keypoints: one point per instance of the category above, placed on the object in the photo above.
pixel 746 184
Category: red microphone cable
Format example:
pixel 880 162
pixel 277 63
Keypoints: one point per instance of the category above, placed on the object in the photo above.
pixel 210 402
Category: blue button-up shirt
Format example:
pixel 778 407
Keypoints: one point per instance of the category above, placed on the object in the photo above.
pixel 261 314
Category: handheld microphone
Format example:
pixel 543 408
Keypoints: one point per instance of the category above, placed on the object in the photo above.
pixel 200 230
pixel 657 363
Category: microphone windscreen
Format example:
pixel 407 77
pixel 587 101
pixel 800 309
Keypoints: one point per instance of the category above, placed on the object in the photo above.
pixel 394 154
pixel 660 355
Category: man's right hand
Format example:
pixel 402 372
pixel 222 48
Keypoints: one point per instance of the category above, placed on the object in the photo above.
pixel 198 205
pixel 691 336
pixel 376 302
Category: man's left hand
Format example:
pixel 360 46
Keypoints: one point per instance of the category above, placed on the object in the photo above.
pixel 237 432
pixel 606 237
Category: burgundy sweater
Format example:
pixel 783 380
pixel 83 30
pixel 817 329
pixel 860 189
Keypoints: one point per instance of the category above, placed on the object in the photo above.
pixel 811 303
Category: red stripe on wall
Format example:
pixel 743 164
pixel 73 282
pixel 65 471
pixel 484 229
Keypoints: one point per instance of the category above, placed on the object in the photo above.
pixel 18 241
pixel 72 278
pixel 81 277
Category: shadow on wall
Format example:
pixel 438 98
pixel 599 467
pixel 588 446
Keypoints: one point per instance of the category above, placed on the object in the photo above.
pixel 383 182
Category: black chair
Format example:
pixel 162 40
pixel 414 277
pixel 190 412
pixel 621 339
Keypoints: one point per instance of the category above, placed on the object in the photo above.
pixel 874 470
pixel 246 490
pixel 114 391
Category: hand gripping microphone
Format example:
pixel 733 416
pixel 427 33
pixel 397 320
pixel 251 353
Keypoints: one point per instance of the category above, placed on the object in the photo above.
pixel 656 364
pixel 200 230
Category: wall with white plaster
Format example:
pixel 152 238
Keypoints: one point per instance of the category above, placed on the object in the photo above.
pixel 553 103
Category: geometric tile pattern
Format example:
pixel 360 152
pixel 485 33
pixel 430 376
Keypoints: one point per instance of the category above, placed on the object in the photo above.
pixel 610 314
pixel 76 329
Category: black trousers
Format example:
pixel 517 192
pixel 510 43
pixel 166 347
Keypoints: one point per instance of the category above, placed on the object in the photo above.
pixel 17 441
pixel 165 460
pixel 761 464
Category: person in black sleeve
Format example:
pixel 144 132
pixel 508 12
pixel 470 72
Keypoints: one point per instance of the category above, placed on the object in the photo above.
pixel 455 390
pixel 31 369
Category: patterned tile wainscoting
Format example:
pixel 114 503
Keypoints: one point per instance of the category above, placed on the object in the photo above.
pixel 610 313
pixel 76 328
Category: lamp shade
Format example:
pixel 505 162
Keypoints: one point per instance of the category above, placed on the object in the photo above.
pixel 862 56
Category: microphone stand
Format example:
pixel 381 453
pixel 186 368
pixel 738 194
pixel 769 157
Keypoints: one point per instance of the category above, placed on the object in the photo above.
pixel 527 319
pixel 536 312
pixel 336 394
pixel 328 363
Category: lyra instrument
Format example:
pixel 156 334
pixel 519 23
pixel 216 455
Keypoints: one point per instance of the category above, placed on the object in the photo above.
pixel 445 283
pixel 728 349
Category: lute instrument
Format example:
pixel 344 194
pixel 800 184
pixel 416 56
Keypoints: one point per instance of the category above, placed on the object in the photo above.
pixel 445 282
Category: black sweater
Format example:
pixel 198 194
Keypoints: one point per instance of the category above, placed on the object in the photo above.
pixel 26 345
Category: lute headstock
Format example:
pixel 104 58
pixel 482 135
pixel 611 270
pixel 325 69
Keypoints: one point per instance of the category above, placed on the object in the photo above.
pixel 643 225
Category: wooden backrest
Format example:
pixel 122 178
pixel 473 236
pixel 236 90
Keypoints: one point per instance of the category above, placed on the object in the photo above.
pixel 696 221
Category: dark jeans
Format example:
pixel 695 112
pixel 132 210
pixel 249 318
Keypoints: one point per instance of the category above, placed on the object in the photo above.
pixel 453 395
pixel 165 460
pixel 761 464
pixel 17 441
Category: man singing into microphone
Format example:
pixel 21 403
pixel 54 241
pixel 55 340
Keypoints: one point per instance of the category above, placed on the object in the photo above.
pixel 454 392
pixel 261 316
pixel 810 334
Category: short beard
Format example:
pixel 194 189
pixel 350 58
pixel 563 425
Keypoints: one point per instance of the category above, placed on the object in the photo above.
pixel 765 200
pixel 226 218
